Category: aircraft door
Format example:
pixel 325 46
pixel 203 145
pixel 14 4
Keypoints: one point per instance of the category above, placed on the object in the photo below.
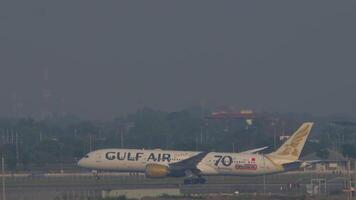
pixel 98 157
pixel 264 164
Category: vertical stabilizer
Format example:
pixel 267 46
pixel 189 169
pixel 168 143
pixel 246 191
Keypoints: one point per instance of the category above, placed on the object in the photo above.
pixel 292 148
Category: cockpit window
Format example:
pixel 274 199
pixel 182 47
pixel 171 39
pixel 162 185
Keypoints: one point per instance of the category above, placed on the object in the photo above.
pixel 86 156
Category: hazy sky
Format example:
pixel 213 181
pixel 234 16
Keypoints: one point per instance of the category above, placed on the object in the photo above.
pixel 111 57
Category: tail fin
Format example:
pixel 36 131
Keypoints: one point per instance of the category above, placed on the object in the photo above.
pixel 291 149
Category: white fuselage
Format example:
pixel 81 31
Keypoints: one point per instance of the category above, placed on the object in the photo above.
pixel 214 163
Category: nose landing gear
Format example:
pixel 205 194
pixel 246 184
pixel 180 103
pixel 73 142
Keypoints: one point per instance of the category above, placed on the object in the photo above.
pixel 95 174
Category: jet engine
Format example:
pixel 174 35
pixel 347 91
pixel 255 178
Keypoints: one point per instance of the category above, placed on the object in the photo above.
pixel 156 171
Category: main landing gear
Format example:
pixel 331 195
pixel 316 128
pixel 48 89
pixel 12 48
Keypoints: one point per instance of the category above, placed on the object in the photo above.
pixel 193 181
pixel 193 178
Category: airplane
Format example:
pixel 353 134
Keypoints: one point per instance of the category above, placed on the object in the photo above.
pixel 194 165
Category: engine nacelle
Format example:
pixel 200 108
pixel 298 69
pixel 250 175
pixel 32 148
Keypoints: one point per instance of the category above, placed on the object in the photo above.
pixel 156 171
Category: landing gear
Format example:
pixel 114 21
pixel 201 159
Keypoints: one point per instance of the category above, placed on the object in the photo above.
pixel 96 175
pixel 193 181
pixel 193 177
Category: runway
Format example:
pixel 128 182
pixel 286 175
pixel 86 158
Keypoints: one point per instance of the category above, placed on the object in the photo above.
pixel 71 186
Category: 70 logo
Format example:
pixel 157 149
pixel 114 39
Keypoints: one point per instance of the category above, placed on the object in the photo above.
pixel 225 160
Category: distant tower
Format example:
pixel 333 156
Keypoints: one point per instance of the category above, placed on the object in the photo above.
pixel 46 96
pixel 17 106
pixel 14 105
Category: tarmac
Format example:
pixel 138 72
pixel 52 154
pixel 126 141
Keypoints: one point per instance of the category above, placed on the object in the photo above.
pixel 85 186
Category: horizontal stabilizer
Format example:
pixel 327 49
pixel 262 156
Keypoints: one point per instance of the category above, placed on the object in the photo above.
pixel 311 162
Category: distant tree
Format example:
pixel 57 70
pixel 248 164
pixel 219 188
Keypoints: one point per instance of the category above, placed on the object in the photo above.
pixel 150 129
pixel 9 153
pixel 323 153
pixel 349 150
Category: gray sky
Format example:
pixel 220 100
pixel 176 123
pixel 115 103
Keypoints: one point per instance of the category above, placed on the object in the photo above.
pixel 111 57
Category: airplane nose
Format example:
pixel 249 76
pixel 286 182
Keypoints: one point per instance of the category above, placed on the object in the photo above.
pixel 80 163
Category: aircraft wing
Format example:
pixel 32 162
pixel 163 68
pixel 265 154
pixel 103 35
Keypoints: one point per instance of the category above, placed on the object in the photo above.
pixel 252 151
pixel 189 163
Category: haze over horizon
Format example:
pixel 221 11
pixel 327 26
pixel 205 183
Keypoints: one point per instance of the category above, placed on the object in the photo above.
pixel 106 58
